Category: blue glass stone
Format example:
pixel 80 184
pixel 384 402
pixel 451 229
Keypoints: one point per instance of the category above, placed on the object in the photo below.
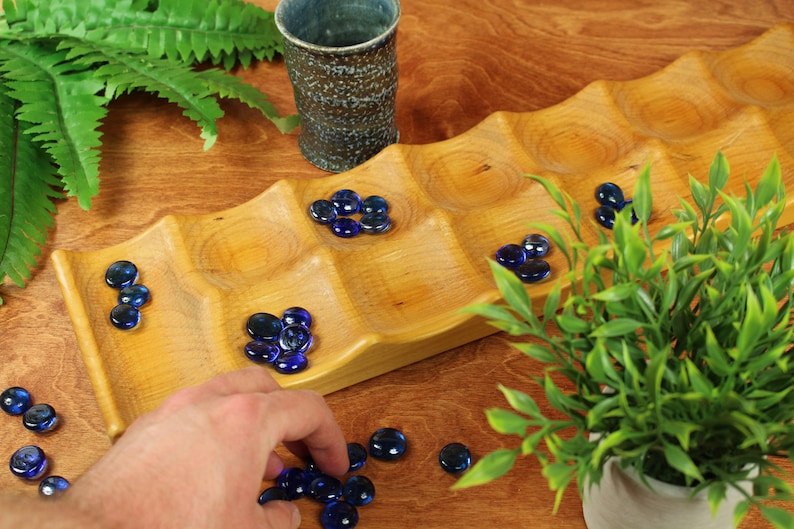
pixel 312 470
pixel 345 227
pixel 359 490
pixel 375 222
pixel 357 455
pixel 262 352
pixel 15 400
pixel 40 418
pixel 533 270
pixel 511 255
pixel 347 202
pixel 609 194
pixel 536 245
pixel 121 274
pixel 339 515
pixel 125 316
pixel 454 458
pixel 325 489
pixel 53 487
pixel 374 203
pixel 264 327
pixel 629 203
pixel 271 494
pixel 323 211
pixel 295 315
pixel 387 444
pixel 135 295
pixel 293 481
pixel 291 363
pixel 605 215
pixel 29 462
pixel 295 338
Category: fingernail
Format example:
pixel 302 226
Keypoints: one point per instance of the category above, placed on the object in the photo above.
pixel 296 518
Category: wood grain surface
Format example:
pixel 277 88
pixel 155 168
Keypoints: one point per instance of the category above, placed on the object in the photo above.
pixel 460 61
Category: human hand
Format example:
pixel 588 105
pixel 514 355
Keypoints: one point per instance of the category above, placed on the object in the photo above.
pixel 199 459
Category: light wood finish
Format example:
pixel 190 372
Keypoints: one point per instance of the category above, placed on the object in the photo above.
pixel 460 62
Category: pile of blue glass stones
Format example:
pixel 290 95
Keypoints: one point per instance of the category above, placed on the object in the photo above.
pixel 338 213
pixel 30 462
pixel 611 200
pixel 280 342
pixel 525 258
pixel 122 275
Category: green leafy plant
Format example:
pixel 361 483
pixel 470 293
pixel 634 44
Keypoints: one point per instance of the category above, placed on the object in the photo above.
pixel 674 349
pixel 63 61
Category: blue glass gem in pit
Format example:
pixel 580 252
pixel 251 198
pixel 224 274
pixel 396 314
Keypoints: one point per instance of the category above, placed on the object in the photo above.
pixel 357 455
pixel 295 338
pixel 40 418
pixel 339 515
pixel 264 326
pixel 323 211
pixel 387 444
pixel 609 194
pixel 312 470
pixel 454 458
pixel 536 245
pixel 293 481
pixel 297 315
pixel 291 363
pixel 121 274
pixel 346 201
pixel 629 203
pixel 533 270
pixel 345 227
pixel 359 490
pixel 511 255
pixel 374 203
pixel 29 462
pixel 325 489
pixel 273 493
pixel 375 222
pixel 605 215
pixel 53 487
pixel 15 400
pixel 124 316
pixel 135 295
pixel 262 352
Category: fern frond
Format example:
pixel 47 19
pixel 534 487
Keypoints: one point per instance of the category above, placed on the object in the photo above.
pixel 27 189
pixel 61 101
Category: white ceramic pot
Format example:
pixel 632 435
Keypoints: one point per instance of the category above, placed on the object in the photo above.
pixel 622 501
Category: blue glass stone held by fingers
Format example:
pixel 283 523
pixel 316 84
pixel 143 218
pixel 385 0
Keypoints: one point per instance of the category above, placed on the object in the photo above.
pixel 125 316
pixel 293 481
pixel 262 352
pixel 387 444
pixel 454 458
pixel 605 215
pixel 273 493
pixel 135 295
pixel 323 211
pixel 40 418
pixel 325 489
pixel 346 201
pixel 52 487
pixel 29 462
pixel 375 222
pixel 298 315
pixel 536 245
pixel 339 515
pixel 533 270
pixel 15 400
pixel 359 490
pixel 121 274
pixel 374 203
pixel 511 255
pixel 295 338
pixel 357 455
pixel 345 227
pixel 291 363
pixel 264 326
pixel 609 194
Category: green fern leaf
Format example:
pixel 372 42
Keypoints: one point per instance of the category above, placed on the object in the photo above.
pixel 62 104
pixel 27 189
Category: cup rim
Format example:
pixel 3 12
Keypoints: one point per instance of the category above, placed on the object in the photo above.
pixel 344 50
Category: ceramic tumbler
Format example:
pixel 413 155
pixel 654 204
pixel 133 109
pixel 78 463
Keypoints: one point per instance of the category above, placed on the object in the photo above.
pixel 342 62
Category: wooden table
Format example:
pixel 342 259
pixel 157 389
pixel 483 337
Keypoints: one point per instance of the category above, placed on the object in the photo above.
pixel 460 61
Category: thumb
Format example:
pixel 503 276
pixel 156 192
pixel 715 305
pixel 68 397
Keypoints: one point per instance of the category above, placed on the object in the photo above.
pixel 280 514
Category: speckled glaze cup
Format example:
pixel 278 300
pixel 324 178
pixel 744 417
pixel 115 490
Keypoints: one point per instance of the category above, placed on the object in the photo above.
pixel 342 61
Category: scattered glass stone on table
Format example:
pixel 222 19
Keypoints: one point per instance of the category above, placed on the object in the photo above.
pixel 262 352
pixel 325 489
pixel 339 515
pixel 15 400
pixel 533 270
pixel 375 222
pixel 295 338
pixel 323 211
pixel 121 274
pixel 374 203
pixel 359 490
pixel 135 295
pixel 125 316
pixel 536 245
pixel 357 454
pixel 29 462
pixel 605 215
pixel 347 202
pixel 610 194
pixel 291 363
pixel 53 486
pixel 387 444
pixel 511 255
pixel 297 315
pixel 40 418
pixel 264 326
pixel 345 227
pixel 293 481
pixel 454 458
pixel 271 494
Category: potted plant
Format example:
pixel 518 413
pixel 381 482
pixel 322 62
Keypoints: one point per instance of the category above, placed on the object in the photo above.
pixel 667 357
